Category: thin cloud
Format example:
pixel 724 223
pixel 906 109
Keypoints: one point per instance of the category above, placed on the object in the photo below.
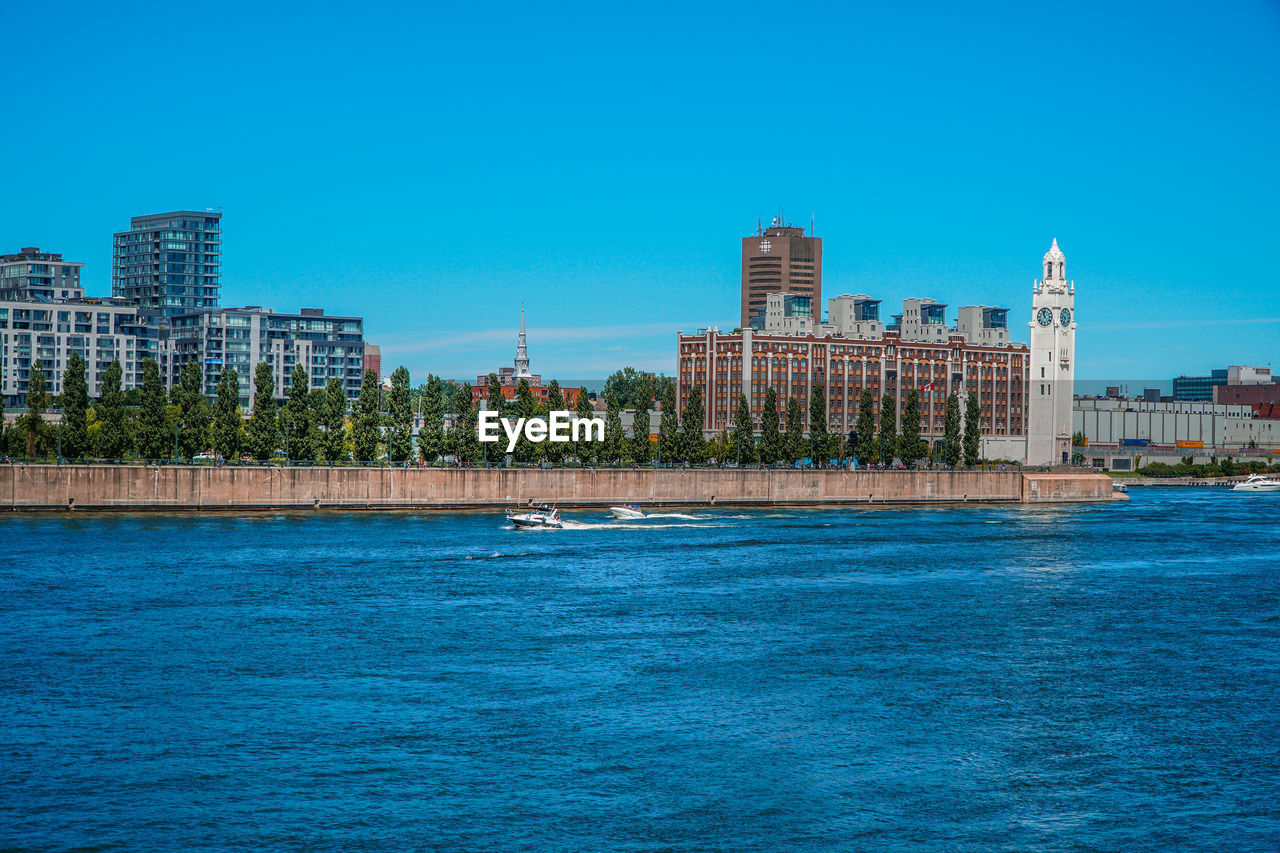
pixel 1181 324
pixel 426 342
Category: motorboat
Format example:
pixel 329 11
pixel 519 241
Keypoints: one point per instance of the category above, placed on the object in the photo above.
pixel 542 516
pixel 1257 483
pixel 626 512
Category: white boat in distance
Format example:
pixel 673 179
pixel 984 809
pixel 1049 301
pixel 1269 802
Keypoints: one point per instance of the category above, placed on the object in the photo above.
pixel 626 512
pixel 1257 483
pixel 543 516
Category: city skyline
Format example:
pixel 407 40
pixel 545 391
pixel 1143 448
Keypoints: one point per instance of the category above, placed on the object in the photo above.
pixel 1139 141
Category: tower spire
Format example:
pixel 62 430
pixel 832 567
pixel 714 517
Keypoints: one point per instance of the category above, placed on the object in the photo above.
pixel 522 352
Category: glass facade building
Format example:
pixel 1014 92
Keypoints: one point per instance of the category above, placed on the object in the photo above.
pixel 241 338
pixel 36 275
pixel 100 330
pixel 170 262
pixel 1198 388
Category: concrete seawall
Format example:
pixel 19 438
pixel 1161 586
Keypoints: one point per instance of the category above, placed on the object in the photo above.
pixel 177 487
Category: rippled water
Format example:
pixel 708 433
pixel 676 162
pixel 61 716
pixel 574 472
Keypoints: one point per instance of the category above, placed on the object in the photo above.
pixel 966 678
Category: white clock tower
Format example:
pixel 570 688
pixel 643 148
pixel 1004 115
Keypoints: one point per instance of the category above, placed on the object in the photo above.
pixel 1053 357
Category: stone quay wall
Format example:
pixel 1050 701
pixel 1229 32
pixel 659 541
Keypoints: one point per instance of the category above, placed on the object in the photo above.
pixel 135 488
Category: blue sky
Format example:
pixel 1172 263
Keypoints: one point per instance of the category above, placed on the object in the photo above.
pixel 430 167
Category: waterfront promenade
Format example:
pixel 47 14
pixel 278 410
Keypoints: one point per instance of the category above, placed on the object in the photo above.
pixel 184 487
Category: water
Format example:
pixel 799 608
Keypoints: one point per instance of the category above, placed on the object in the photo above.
pixel 964 678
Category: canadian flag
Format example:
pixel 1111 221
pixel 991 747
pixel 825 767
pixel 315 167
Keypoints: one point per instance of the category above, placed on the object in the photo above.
pixel 928 387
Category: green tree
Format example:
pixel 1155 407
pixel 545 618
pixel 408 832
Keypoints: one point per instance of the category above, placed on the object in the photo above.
pixel 37 404
pixel 317 412
pixel 819 440
pixel 661 385
pixel 1078 441
pixel 264 425
pixel 910 446
pixel 887 440
pixel 553 451
pixel 642 423
pixel 951 448
pixel 693 445
pixel 366 420
pixel 463 441
pixel 493 396
pixel 793 442
pixel 154 436
pixel 865 452
pixel 972 431
pixel 614 439
pixel 431 433
pixel 669 449
pixel 400 416
pixel 333 441
pixel 75 409
pixel 770 438
pixel 295 417
pixel 227 430
pixel 526 407
pixel 625 387
pixel 113 437
pixel 744 434
pixel 585 450
pixel 194 414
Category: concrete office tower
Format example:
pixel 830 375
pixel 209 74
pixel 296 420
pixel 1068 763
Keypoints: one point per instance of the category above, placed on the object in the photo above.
pixel 31 274
pixel 778 259
pixel 170 262
pixel 1053 350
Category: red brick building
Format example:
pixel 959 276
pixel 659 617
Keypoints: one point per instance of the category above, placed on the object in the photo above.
pixel 725 365
pixel 509 392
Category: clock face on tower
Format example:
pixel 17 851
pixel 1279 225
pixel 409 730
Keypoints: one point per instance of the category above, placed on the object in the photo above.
pixel 765 247
pixel 1066 316
pixel 1044 316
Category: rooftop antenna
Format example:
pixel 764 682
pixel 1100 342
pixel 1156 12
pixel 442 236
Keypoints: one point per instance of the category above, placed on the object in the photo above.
pixel 812 217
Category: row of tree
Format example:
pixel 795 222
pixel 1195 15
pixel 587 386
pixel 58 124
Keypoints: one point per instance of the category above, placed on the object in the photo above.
pixel 312 424
pixel 781 437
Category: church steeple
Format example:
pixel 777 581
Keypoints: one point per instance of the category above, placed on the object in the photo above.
pixel 522 352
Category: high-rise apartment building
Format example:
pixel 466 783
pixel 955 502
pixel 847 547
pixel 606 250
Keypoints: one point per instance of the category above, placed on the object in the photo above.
pixel 101 330
pixel 170 262
pixel 327 347
pixel 778 259
pixel 31 274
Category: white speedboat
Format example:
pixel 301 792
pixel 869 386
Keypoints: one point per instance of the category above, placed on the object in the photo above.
pixel 543 516
pixel 626 512
pixel 1257 483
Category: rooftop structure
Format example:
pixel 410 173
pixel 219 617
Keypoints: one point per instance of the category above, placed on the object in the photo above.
pixel 30 274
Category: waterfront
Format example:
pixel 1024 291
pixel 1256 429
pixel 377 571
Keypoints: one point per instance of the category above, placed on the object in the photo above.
pixel 983 677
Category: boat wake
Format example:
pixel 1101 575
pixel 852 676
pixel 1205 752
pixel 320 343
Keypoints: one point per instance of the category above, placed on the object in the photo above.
pixel 638 524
